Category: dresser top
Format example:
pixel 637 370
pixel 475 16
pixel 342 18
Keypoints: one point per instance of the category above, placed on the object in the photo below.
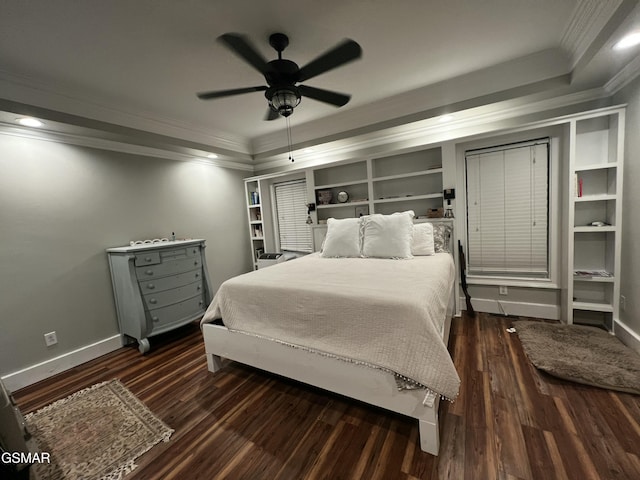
pixel 154 246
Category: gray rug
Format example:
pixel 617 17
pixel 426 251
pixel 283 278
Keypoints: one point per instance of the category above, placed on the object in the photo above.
pixel 581 354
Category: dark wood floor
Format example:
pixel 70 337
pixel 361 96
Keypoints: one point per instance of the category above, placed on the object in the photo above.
pixel 509 422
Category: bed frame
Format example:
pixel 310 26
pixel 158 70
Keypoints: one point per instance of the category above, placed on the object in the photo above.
pixel 372 386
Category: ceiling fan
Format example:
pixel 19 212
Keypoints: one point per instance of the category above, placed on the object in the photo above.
pixel 283 76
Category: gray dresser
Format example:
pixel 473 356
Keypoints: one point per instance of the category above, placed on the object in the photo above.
pixel 159 287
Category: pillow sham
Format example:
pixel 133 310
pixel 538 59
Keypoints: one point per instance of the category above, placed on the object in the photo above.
pixel 422 239
pixel 441 235
pixel 387 236
pixel 343 238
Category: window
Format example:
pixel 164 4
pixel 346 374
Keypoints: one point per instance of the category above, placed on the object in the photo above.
pixel 508 210
pixel 291 211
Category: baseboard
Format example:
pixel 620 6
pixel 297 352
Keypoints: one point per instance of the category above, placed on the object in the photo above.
pixel 520 309
pixel 27 376
pixel 626 335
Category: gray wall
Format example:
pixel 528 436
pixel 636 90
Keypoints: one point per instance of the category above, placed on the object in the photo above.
pixel 62 205
pixel 630 277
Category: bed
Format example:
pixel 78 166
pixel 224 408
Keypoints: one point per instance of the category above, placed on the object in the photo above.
pixel 373 329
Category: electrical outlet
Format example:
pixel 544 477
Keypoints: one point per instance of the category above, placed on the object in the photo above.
pixel 503 290
pixel 50 338
pixel 623 302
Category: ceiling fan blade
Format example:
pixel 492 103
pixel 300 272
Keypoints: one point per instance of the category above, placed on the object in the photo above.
pixel 241 46
pixel 326 96
pixel 271 114
pixel 227 93
pixel 345 52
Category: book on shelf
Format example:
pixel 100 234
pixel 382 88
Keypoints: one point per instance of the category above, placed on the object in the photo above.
pixel 577 185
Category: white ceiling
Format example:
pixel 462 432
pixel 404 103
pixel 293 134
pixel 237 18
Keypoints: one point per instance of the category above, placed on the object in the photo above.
pixel 139 63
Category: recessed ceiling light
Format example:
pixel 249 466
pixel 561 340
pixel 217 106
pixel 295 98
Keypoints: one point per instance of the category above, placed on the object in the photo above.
pixel 212 155
pixel 445 118
pixel 29 122
pixel 628 41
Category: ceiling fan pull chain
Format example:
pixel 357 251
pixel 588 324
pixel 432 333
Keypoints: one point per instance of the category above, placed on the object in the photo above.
pixel 289 139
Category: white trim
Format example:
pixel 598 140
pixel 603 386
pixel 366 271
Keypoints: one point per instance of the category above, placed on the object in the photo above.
pixel 587 20
pixel 626 335
pixel 523 309
pixel 625 76
pixel 27 376
pixel 118 146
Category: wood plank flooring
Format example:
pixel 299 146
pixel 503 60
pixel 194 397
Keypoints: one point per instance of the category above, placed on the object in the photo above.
pixel 509 422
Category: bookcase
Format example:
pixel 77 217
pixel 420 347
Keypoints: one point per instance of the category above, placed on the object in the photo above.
pixel 593 238
pixel 393 183
pixel 255 217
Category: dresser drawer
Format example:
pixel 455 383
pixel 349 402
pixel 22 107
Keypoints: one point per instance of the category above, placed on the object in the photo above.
pixel 167 283
pixel 175 295
pixel 147 258
pixel 178 312
pixel 181 252
pixel 169 267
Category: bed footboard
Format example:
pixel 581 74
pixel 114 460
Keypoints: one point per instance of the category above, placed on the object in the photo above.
pixel 375 387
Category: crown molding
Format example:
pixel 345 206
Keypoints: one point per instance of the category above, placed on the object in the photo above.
pixel 117 146
pixel 587 20
pixel 625 76
pixel 26 90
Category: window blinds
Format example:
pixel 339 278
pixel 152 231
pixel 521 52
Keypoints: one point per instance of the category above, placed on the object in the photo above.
pixel 291 201
pixel 507 210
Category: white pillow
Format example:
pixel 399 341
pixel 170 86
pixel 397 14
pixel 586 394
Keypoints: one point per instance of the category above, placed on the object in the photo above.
pixel 343 238
pixel 422 239
pixel 387 236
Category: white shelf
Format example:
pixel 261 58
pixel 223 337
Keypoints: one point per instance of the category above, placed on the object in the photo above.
pixel 341 184
pixel 256 222
pixel 255 205
pixel 592 306
pixel 589 229
pixel 595 279
pixel 407 175
pixel 596 166
pixel 346 204
pixel 407 198
pixel 257 238
pixel 596 198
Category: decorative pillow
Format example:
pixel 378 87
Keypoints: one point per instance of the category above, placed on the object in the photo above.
pixel 441 236
pixel 387 236
pixel 343 238
pixel 422 239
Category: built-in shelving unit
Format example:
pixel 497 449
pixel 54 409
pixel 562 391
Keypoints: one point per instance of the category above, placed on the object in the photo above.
pixel 406 181
pixel 595 195
pixel 255 217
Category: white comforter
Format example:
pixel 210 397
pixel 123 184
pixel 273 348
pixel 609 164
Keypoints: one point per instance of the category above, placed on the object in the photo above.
pixel 383 313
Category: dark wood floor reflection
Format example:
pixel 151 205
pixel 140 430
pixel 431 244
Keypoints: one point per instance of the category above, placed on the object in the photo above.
pixel 509 422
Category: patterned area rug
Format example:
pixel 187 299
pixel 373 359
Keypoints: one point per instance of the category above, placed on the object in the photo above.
pixel 586 355
pixel 96 433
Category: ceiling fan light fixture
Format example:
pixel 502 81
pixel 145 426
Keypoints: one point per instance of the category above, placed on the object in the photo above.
pixel 284 100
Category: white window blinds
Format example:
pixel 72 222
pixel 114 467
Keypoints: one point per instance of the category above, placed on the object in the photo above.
pixel 507 210
pixel 291 201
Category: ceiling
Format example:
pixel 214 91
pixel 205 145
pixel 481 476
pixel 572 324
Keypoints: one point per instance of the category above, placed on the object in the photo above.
pixel 138 65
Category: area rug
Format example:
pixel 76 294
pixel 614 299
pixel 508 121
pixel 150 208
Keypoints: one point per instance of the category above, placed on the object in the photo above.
pixel 581 354
pixel 96 433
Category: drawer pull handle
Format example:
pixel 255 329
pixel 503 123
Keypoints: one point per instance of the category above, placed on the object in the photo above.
pixel 148 259
pixel 151 286
pixel 149 272
pixel 199 287
pixel 197 275
pixel 200 302
pixel 153 300
pixel 155 319
pixel 195 263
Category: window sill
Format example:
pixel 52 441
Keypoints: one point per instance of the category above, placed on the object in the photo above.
pixel 513 282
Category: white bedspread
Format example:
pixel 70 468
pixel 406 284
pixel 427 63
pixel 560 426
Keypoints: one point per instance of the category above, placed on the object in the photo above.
pixel 384 313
